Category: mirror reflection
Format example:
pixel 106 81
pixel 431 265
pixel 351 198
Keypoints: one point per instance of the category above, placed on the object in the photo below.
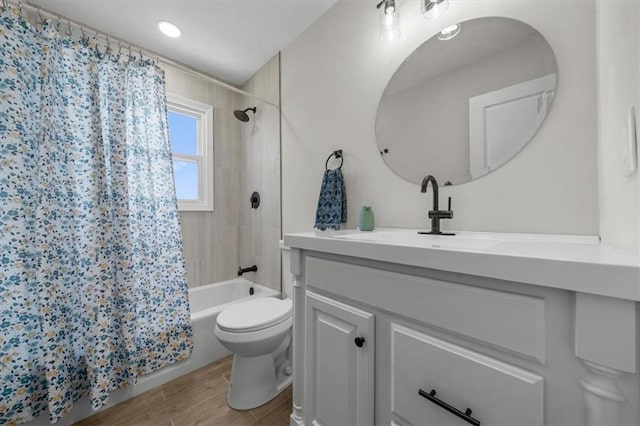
pixel 466 101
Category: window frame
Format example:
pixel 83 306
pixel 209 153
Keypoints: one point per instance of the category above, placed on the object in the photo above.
pixel 204 158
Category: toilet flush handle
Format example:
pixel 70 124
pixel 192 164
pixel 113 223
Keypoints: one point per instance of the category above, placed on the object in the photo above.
pixel 359 341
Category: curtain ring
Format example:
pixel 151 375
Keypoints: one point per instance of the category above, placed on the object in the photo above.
pixel 20 9
pixel 140 51
pixel 5 5
pixel 96 40
pixel 120 47
pixel 69 31
pixel 108 43
pixel 58 24
pixel 157 60
pixel 82 32
pixel 40 17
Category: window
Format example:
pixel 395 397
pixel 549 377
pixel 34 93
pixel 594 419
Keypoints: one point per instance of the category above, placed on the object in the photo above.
pixel 191 135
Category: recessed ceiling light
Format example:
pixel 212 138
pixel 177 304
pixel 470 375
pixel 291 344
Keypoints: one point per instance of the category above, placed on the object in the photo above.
pixel 449 32
pixel 169 29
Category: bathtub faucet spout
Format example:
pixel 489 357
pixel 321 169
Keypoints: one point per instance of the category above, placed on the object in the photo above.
pixel 241 270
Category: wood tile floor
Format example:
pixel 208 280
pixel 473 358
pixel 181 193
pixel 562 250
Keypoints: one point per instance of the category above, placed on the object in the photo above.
pixel 199 398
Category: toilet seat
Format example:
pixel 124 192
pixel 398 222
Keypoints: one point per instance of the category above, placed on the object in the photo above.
pixel 254 315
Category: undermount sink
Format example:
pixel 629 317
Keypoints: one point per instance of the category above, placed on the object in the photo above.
pixel 412 238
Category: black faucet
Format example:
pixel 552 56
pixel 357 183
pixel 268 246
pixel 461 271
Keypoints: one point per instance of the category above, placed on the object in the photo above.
pixel 242 270
pixel 436 214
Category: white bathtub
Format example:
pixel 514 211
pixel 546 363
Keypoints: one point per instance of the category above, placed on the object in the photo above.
pixel 206 302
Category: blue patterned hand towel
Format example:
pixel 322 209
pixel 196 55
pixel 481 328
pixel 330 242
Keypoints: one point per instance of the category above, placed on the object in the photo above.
pixel 332 204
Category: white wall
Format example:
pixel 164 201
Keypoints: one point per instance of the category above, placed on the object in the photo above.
pixel 618 40
pixel 334 74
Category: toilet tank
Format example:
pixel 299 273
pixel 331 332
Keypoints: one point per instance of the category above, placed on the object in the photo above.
pixel 287 278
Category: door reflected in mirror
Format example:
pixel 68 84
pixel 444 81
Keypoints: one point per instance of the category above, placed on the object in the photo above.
pixel 461 106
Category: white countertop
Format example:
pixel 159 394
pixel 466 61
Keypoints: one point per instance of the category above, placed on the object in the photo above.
pixel 576 263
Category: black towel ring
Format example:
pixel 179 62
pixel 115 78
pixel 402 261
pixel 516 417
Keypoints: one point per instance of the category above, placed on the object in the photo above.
pixel 337 154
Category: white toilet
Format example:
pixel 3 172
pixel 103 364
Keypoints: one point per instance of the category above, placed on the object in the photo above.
pixel 258 332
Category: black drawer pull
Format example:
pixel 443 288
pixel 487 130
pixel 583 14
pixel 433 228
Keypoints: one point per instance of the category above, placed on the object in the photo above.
pixel 466 416
pixel 359 341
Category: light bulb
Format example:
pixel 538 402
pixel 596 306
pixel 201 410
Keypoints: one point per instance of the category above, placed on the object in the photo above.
pixel 390 37
pixel 389 22
pixel 433 9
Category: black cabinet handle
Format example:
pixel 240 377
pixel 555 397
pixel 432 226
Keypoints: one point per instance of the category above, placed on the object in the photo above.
pixel 359 341
pixel 466 416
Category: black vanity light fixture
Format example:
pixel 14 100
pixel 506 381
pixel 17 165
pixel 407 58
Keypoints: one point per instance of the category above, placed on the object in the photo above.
pixel 433 9
pixel 389 21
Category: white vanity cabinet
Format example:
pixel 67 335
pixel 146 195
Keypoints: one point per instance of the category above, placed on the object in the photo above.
pixel 339 384
pixel 452 338
pixel 340 363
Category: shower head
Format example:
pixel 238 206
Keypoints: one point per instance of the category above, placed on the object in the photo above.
pixel 242 115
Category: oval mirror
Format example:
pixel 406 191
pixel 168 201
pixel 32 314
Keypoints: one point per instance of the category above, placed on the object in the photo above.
pixel 466 101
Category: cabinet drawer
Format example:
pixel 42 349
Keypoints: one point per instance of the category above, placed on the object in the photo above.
pixel 463 309
pixel 496 392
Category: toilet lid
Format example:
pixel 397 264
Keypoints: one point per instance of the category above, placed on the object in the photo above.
pixel 255 314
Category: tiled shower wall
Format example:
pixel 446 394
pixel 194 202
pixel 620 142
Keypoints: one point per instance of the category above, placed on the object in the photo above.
pixel 260 229
pixel 211 239
pixel 247 159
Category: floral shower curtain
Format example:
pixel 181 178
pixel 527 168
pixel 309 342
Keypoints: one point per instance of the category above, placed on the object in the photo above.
pixel 92 281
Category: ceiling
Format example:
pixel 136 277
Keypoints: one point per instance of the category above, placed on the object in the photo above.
pixel 230 39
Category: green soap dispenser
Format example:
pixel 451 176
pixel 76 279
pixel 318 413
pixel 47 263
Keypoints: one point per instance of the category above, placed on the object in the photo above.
pixel 366 221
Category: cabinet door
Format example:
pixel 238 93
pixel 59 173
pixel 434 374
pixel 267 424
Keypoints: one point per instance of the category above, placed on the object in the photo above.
pixel 339 385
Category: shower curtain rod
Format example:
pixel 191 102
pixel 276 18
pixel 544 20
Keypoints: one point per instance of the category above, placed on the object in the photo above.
pixel 137 49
